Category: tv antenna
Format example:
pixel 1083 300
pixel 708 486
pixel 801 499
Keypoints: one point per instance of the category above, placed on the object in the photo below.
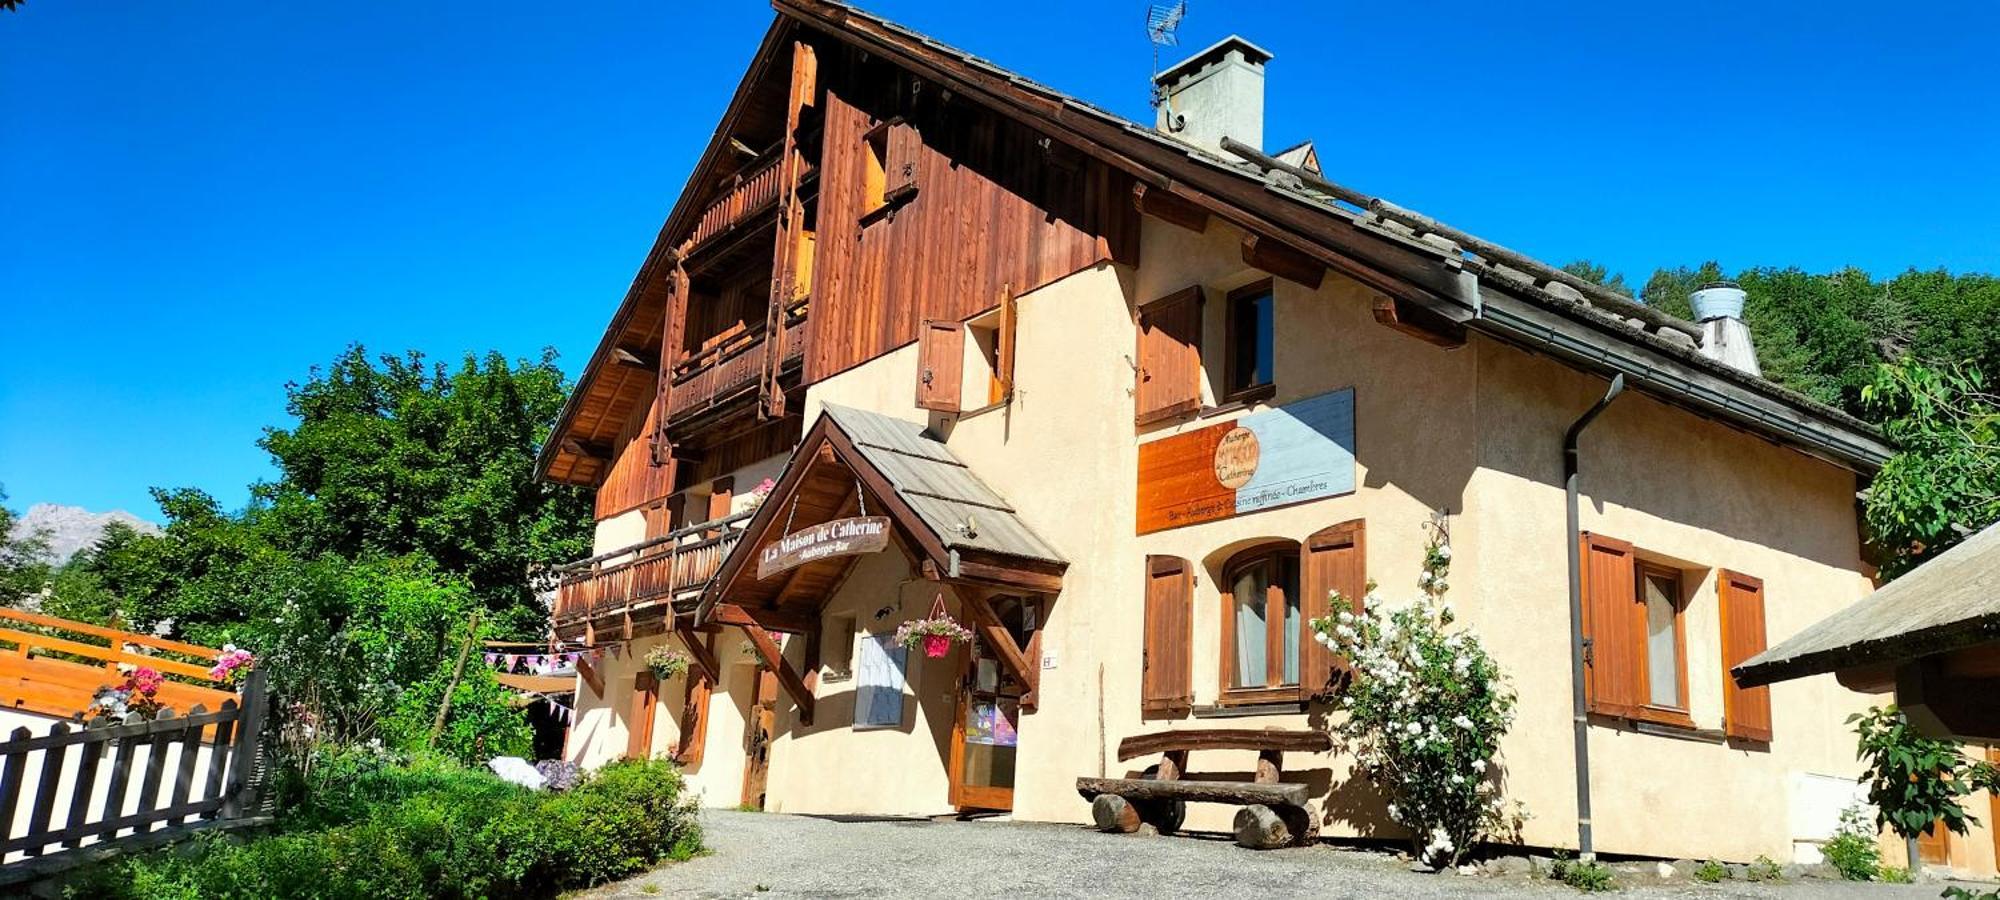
pixel 1162 20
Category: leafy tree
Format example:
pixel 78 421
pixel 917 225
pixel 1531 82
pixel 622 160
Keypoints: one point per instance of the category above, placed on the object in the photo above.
pixel 1944 482
pixel 397 455
pixel 1914 782
pixel 1592 272
pixel 1668 289
pixel 24 558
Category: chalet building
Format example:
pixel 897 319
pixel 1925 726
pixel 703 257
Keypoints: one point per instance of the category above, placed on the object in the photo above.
pixel 1130 400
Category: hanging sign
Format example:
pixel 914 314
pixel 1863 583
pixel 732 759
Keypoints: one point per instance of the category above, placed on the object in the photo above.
pixel 840 537
pixel 1298 452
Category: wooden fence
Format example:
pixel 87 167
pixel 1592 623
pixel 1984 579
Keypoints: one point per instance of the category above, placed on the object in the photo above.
pixel 121 780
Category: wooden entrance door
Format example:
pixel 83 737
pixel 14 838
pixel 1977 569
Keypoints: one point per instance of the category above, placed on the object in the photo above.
pixel 757 731
pixel 984 739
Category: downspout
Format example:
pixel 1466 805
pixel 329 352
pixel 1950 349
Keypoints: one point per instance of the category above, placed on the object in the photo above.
pixel 1580 713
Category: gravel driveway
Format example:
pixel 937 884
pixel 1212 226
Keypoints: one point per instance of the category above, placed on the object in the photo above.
pixel 767 855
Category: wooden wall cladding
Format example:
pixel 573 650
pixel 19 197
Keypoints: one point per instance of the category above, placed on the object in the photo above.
pixel 633 480
pixel 993 204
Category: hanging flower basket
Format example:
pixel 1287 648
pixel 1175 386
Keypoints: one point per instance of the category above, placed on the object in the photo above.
pixel 666 662
pixel 934 635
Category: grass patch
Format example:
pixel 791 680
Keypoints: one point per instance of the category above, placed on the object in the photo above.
pixel 1710 872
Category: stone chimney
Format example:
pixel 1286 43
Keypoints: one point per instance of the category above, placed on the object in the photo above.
pixel 1718 306
pixel 1213 94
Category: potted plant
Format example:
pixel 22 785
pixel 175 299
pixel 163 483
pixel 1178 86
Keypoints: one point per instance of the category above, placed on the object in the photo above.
pixel 232 664
pixel 666 662
pixel 934 633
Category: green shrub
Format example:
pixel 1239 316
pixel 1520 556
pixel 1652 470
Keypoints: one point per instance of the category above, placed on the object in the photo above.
pixel 1852 851
pixel 1710 872
pixel 429 828
pixel 1893 875
pixel 1589 877
pixel 1765 869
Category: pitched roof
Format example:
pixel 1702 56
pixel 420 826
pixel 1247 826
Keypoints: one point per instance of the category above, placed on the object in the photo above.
pixel 953 503
pixel 1472 283
pixel 1950 602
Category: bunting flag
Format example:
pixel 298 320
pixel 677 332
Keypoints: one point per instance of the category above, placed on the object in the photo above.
pixel 492 658
pixel 512 659
pixel 614 650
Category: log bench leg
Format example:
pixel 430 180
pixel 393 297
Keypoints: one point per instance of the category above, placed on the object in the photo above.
pixel 1165 816
pixel 1261 827
pixel 1114 814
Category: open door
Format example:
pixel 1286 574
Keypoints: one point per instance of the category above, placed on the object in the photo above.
pixel 984 739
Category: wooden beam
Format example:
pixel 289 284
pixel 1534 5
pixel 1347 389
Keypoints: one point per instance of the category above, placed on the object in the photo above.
pixel 591 449
pixel 1282 260
pixel 767 649
pixel 636 359
pixel 791 221
pixel 590 675
pixel 1169 208
pixel 1000 639
pixel 994 572
pixel 704 656
pixel 786 620
pixel 1418 322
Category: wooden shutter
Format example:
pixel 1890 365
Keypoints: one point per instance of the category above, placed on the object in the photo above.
pixel 694 718
pixel 1746 712
pixel 1169 357
pixel 1003 349
pixel 940 365
pixel 899 176
pixel 1332 559
pixel 1167 685
pixel 639 731
pixel 718 497
pixel 1614 623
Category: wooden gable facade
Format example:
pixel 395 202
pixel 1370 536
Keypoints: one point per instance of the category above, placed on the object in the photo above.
pixel 844 204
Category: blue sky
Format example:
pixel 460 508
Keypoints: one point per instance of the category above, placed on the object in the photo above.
pixel 202 200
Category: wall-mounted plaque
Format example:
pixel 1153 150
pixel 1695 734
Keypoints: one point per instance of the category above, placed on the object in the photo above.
pixel 1298 452
pixel 840 537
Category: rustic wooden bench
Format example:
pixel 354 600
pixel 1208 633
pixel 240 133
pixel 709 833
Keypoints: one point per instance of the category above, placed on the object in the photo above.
pixel 1273 814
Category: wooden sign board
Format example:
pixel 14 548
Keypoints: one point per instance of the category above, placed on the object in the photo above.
pixel 839 537
pixel 1293 454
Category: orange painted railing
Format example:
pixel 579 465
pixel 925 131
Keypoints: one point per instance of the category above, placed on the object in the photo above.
pixel 53 666
pixel 677 563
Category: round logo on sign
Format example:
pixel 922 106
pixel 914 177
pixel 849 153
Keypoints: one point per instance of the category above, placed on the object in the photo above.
pixel 1236 458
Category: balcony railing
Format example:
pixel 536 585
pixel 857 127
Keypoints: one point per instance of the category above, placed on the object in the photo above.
pixel 756 189
pixel 660 569
pixel 726 371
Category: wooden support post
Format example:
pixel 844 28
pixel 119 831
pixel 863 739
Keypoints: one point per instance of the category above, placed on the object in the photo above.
pixel 1270 764
pixel 767 650
pixel 672 338
pixel 1001 640
pixel 791 221
pixel 591 678
pixel 703 654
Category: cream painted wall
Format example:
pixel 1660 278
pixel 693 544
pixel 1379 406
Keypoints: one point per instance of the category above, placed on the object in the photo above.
pixel 1475 431
pixel 618 532
pixel 601 732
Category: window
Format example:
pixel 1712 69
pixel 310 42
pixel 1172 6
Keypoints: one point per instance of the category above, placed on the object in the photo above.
pixel 840 638
pixel 1666 667
pixel 1252 325
pixel 888 168
pixel 1261 622
pixel 1636 635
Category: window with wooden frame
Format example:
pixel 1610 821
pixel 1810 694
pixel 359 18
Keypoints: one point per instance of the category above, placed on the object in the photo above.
pixel 1635 633
pixel 1249 369
pixel 1262 624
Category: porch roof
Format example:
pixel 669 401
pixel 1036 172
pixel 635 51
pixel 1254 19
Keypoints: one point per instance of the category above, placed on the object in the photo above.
pixel 857 462
pixel 1946 604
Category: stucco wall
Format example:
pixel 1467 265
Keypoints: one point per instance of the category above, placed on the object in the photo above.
pixel 1473 431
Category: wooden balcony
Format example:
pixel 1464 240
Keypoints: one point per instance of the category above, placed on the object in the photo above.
pixel 649 574
pixel 756 190
pixel 708 384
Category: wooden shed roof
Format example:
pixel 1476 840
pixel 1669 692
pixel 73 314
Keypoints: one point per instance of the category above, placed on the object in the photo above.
pixel 1946 604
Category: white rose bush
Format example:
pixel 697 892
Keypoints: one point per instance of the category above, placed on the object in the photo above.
pixel 1426 708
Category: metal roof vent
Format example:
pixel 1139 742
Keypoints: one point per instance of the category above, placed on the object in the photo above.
pixel 1718 306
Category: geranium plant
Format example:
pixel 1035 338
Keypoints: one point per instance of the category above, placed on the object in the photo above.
pixel 666 662
pixel 1425 713
pixel 761 491
pixel 934 634
pixel 232 664
pixel 138 693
